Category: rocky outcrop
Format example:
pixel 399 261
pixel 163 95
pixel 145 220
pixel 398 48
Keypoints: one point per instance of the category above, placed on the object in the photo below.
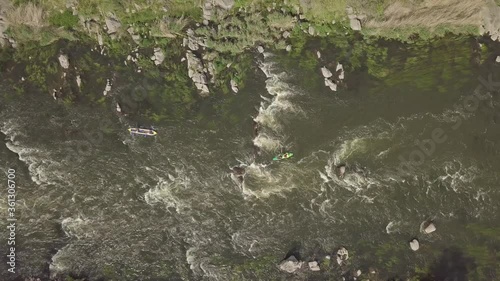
pixel 490 14
pixel 158 56
pixel 414 245
pixel 354 19
pixel 224 4
pixel 196 73
pixel 3 28
pixel 291 265
pixel 313 266
pixel 193 42
pixel 63 61
pixel 113 25
pixel 342 256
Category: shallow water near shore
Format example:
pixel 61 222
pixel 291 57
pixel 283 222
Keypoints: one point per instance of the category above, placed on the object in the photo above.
pixel 119 207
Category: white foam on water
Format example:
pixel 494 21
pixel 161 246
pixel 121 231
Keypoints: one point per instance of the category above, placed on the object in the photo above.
pixel 273 110
pixel 75 227
pixel 457 177
pixel 271 183
pixel 392 227
pixel 267 143
pixel 165 192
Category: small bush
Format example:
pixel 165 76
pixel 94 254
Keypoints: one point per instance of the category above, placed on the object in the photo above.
pixel 65 19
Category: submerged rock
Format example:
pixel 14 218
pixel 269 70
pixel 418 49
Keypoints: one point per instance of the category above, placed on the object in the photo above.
pixel 63 61
pixel 341 171
pixel 414 245
pixel 291 265
pixel 313 266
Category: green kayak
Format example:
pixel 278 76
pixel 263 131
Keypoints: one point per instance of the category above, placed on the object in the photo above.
pixel 283 156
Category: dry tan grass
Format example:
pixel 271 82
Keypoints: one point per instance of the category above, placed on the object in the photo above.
pixel 26 14
pixel 430 13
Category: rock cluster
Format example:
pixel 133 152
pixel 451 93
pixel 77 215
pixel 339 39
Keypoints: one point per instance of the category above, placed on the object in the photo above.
pixel 330 80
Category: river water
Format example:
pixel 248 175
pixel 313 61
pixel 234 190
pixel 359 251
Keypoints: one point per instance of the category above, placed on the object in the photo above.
pixel 94 201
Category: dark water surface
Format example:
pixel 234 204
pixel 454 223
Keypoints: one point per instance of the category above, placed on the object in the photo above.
pixel 94 201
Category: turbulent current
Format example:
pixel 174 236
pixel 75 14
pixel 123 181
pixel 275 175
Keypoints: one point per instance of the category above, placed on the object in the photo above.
pixel 94 201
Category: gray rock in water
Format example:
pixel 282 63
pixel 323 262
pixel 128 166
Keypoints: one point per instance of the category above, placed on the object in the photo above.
pixel 290 265
pixel 414 245
pixel 340 69
pixel 342 255
pixel 113 25
pixel 326 72
pixel 63 61
pixel 430 228
pixel 78 81
pixel 234 86
pixel 313 266
pixel 329 83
